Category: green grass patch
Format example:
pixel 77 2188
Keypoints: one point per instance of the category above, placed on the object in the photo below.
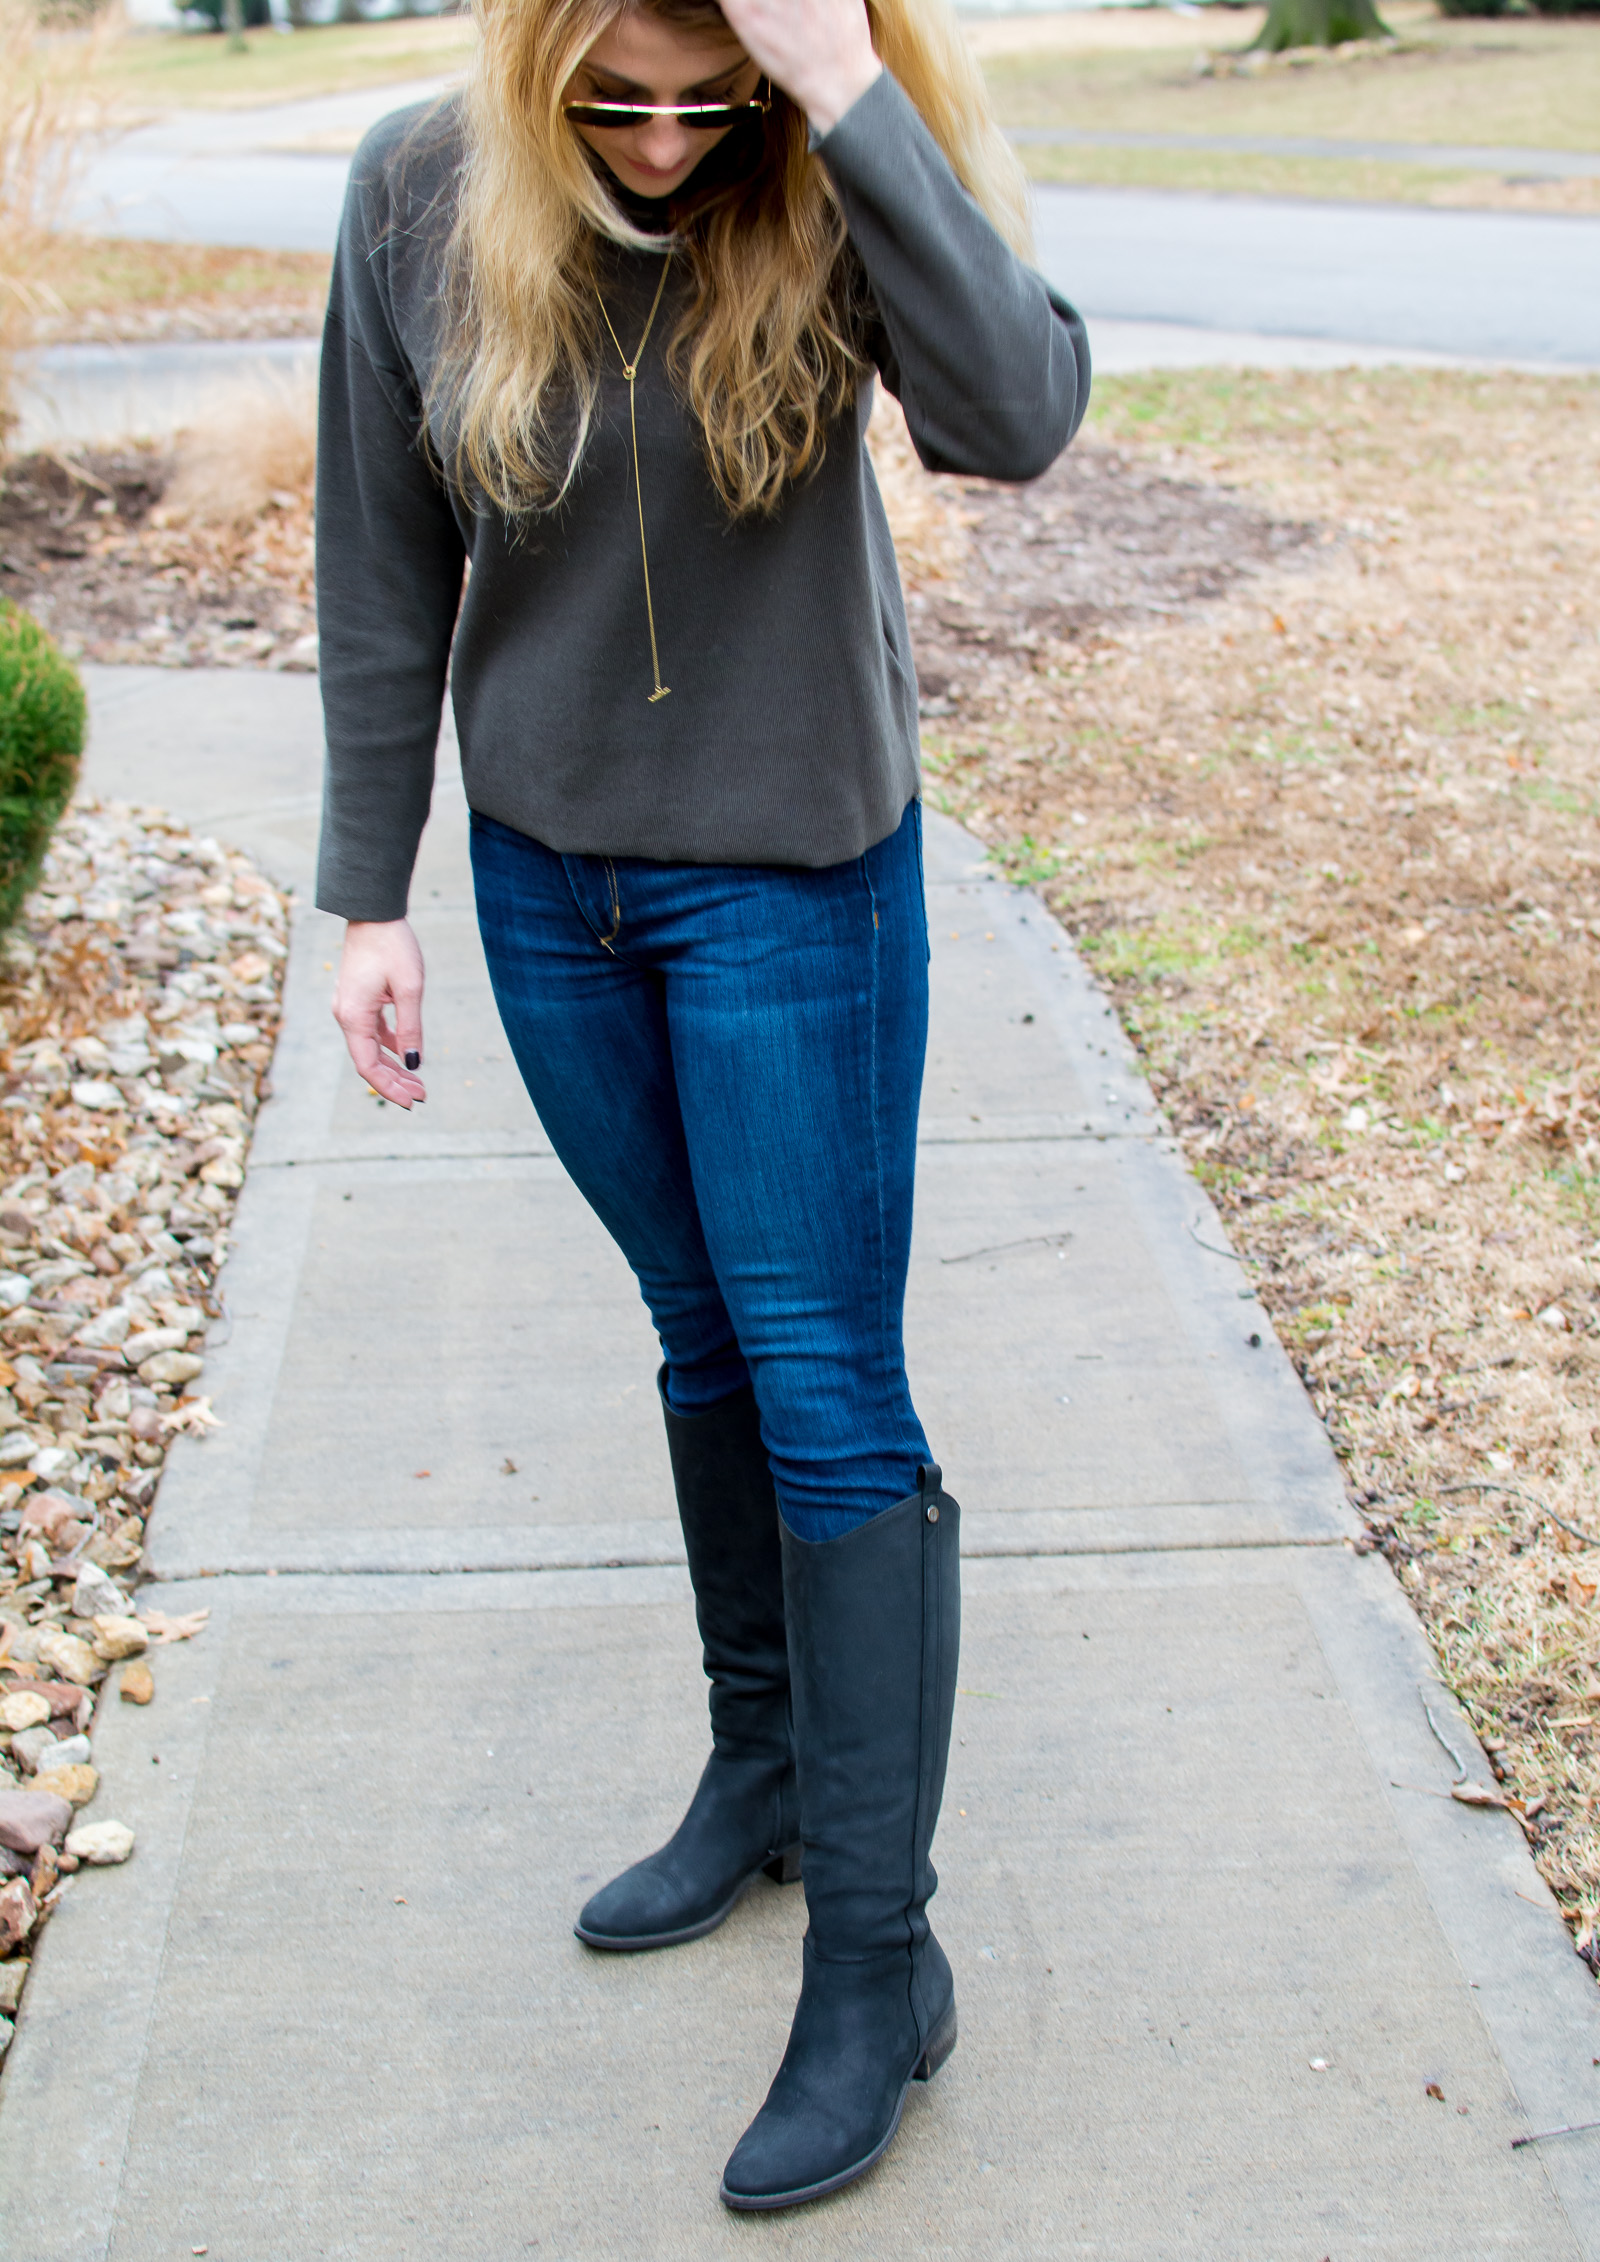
pixel 1216 172
pixel 1167 951
pixel 1550 793
pixel 102 274
pixel 1025 863
pixel 1526 81
pixel 176 69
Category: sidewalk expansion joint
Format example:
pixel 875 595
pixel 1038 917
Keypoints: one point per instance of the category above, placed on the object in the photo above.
pixel 404 1154
pixel 1137 1134
pixel 499 1567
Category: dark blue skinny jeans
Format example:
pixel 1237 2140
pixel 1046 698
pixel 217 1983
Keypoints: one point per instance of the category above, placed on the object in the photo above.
pixel 728 1059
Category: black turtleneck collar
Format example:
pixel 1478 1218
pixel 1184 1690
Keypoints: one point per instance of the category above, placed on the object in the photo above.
pixel 738 153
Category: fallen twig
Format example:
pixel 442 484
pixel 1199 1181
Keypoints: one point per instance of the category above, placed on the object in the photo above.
pixel 1573 2128
pixel 1439 1739
pixel 1213 1250
pixel 1515 1492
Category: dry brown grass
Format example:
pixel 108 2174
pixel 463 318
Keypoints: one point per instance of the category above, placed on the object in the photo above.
pixel 116 289
pixel 930 536
pixel 1333 841
pixel 254 454
pixel 48 108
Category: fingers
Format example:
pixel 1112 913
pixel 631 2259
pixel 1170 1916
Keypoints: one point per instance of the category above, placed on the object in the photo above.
pixel 387 1080
pixel 406 1039
pixel 819 51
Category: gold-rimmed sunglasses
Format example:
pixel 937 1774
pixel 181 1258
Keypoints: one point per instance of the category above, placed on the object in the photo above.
pixel 699 117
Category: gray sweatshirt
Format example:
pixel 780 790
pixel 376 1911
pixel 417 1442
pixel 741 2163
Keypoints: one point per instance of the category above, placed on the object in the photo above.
pixel 790 736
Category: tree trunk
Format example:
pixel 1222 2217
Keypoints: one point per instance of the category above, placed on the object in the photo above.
pixel 233 25
pixel 1318 23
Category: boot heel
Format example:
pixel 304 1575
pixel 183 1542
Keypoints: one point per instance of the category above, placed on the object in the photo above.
pixel 784 1868
pixel 940 2045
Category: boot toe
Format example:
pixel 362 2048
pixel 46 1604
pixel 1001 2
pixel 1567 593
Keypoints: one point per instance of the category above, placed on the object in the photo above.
pixel 647 1907
pixel 836 2100
pixel 795 2150
pixel 632 1906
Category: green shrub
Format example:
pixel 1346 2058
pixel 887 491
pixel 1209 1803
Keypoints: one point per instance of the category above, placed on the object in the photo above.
pixel 42 711
pixel 1471 7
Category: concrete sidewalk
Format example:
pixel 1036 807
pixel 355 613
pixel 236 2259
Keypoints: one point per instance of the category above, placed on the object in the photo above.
pixel 1215 1920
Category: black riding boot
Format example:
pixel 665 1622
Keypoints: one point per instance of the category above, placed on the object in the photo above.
pixel 744 1817
pixel 874 1628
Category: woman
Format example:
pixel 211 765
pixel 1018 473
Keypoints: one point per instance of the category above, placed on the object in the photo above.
pixel 607 328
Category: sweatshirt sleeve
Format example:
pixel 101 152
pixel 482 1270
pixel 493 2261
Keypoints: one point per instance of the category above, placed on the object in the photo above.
pixel 389 569
pixel 989 364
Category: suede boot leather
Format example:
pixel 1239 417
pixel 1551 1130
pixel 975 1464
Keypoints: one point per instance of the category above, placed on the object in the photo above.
pixel 874 1632
pixel 744 1816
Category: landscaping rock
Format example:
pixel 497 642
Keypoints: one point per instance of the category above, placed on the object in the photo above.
pixel 152 1340
pixel 77 1785
pixel 31 1819
pixel 31 1747
pixel 18 1909
pixel 73 1659
pixel 116 1637
pixel 100 1843
pixel 94 1595
pixel 170 1369
pixel 136 1019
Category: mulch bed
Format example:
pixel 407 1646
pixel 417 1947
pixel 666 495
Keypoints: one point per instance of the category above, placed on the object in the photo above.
pixel 87 547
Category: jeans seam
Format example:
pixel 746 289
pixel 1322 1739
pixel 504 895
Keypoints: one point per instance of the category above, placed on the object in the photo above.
pixel 885 1363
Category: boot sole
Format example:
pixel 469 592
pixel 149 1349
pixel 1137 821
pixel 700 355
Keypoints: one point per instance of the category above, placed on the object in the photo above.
pixel 752 2203
pixel 783 1869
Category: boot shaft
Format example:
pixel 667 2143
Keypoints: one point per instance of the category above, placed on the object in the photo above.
pixel 874 1639
pixel 728 1509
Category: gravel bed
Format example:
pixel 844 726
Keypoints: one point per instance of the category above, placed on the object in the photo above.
pixel 139 1002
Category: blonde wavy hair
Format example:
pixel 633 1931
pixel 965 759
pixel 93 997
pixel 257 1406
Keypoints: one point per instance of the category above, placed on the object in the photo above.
pixel 767 352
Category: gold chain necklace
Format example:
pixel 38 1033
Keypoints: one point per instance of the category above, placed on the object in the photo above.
pixel 630 370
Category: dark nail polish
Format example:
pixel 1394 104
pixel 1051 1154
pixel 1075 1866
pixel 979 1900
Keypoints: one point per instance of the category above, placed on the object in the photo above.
pixel 413 1060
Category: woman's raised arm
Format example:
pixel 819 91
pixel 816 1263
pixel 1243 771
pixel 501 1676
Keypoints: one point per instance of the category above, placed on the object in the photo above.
pixel 989 364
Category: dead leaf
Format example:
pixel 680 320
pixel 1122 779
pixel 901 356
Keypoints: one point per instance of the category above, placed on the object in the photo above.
pixel 1477 1794
pixel 179 1629
pixel 192 1417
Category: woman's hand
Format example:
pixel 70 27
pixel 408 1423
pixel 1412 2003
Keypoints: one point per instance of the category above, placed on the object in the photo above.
pixel 819 51
pixel 382 968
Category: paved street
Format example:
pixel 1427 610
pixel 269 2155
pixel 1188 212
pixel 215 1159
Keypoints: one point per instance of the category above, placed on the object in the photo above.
pixel 1215 1920
pixel 1493 286
pixel 1486 285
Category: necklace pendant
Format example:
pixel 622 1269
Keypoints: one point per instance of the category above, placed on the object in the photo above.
pixel 661 691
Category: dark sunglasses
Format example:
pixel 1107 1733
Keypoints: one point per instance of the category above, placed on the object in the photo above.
pixel 699 117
